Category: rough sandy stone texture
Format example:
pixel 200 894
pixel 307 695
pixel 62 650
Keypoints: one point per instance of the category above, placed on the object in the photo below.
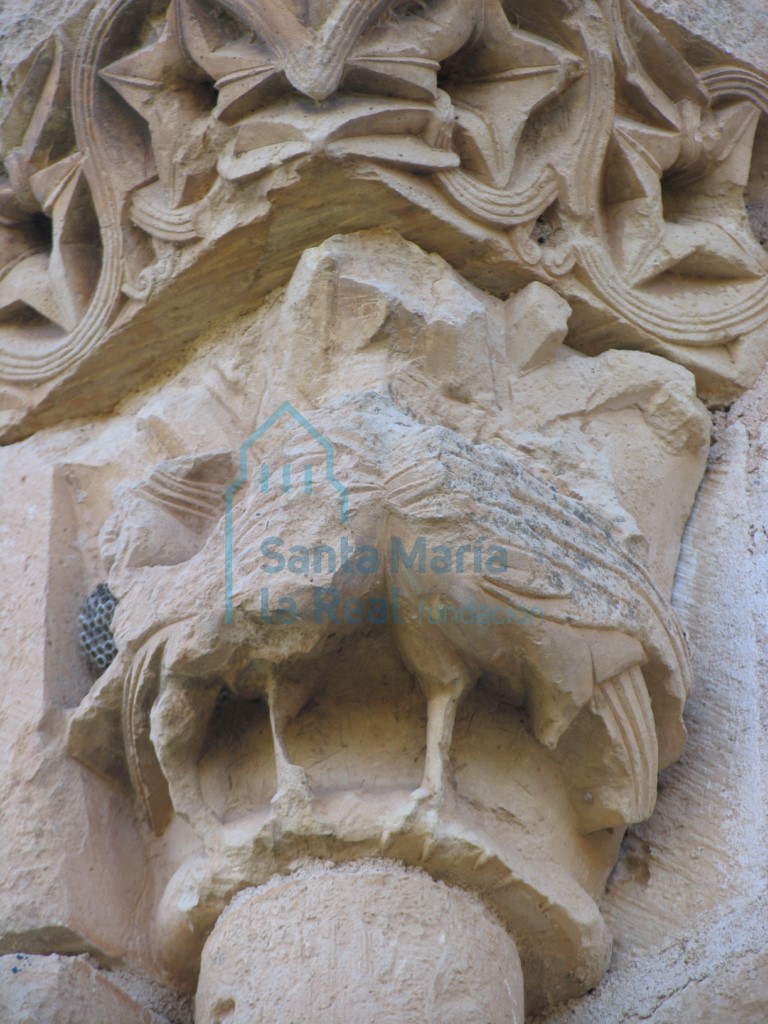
pixel 704 846
pixel 737 27
pixel 64 990
pixel 72 868
pixel 704 851
pixel 529 819
pixel 362 944
pixel 717 973
pixel 25 26
pixel 329 711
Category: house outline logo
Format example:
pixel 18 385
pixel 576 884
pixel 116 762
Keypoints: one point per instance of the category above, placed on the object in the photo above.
pixel 286 409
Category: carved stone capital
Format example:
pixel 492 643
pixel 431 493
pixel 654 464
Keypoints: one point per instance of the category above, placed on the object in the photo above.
pixel 428 618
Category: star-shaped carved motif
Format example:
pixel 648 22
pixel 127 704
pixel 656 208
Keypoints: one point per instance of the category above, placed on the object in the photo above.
pixel 676 172
pixel 351 77
pixel 262 57
pixel 57 282
pixel 168 90
pixel 508 76
pixel 345 42
pixel 50 253
pixel 676 198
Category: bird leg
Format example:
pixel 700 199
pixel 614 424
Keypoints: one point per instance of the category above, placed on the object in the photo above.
pixel 442 701
pixel 441 716
pixel 444 679
pixel 292 780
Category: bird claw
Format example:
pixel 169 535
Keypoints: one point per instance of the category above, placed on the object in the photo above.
pixel 434 797
pixel 293 800
pixel 423 793
pixel 428 800
pixel 292 783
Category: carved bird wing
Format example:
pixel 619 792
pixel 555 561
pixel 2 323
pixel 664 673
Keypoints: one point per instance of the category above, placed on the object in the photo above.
pixel 595 611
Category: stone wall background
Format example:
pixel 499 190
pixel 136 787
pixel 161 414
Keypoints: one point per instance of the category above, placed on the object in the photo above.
pixel 687 901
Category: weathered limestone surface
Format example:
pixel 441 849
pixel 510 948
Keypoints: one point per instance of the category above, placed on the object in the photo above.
pixel 72 871
pixel 733 26
pixel 716 972
pixel 444 286
pixel 64 990
pixel 98 455
pixel 138 187
pixel 688 896
pixel 376 943
pixel 719 786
